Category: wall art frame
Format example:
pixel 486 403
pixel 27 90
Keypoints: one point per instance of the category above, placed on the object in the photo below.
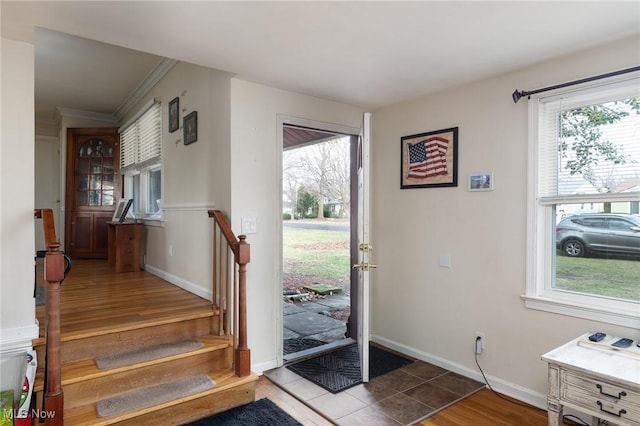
pixel 190 127
pixel 481 182
pixel 429 160
pixel 174 114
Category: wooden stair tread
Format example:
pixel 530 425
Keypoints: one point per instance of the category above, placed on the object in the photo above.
pixel 86 369
pixel 118 325
pixel 87 415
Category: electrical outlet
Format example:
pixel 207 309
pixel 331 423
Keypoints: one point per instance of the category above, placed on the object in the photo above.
pixel 479 342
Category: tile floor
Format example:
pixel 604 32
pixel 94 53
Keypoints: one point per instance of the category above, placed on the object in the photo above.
pixel 401 397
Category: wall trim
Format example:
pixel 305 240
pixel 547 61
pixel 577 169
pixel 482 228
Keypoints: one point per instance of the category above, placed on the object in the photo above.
pixel 511 389
pixel 18 338
pixel 89 115
pixel 189 207
pixel 182 283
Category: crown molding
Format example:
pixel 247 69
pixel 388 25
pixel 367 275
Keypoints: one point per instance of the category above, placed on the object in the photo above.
pixel 156 74
pixel 90 115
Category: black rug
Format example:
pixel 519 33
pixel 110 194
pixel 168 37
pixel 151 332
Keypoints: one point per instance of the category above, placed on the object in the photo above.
pixel 257 413
pixel 300 344
pixel 40 295
pixel 340 370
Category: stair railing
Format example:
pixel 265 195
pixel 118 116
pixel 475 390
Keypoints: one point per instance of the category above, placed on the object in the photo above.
pixel 54 274
pixel 230 258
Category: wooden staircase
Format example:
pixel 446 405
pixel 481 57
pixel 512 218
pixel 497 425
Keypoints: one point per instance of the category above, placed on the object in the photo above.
pixel 103 313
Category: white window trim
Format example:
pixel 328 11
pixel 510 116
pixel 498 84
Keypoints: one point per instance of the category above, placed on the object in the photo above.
pixel 538 293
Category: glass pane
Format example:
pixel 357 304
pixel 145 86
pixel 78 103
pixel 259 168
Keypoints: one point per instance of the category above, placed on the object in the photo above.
pixel 107 198
pixel 96 165
pixel 598 150
pixel 107 166
pixel 83 165
pixel 598 249
pixel 96 181
pixel 107 182
pixel 137 208
pixel 83 182
pixel 94 198
pixel 155 181
pixel 82 198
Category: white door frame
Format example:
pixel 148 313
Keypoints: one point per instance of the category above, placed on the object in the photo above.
pixel 301 122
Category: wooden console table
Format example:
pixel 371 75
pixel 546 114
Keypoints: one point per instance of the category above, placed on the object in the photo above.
pixel 124 246
pixel 595 379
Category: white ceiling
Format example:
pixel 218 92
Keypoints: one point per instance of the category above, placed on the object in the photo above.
pixel 368 54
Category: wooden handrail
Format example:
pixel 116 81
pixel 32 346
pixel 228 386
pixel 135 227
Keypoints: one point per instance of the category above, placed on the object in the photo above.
pixel 54 274
pixel 241 254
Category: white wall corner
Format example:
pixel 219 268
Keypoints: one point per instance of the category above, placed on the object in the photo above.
pixel 18 338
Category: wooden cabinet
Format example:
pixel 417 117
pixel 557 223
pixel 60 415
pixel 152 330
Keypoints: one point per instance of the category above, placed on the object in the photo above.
pixel 596 379
pixel 92 189
pixel 124 246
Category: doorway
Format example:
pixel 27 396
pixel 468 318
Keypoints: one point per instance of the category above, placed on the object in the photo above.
pixel 319 221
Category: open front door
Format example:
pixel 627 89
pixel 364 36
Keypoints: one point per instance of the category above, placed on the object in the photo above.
pixel 364 248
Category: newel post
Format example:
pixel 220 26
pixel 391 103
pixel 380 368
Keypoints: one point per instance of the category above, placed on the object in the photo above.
pixel 53 274
pixel 243 353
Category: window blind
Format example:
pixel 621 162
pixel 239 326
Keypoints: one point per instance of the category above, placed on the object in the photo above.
pixel 141 140
pixel 589 143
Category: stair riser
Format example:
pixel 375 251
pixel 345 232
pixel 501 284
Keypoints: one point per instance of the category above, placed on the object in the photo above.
pixel 92 390
pixel 189 411
pixel 126 341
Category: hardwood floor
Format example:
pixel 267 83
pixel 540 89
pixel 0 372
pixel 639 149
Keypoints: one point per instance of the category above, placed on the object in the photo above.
pixel 94 298
pixel 483 408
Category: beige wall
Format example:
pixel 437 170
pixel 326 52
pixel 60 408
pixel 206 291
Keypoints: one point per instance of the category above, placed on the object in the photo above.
pixel 195 177
pixel 434 312
pixel 17 309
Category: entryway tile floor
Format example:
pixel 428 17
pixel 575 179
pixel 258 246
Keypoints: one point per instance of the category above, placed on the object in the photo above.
pixel 401 397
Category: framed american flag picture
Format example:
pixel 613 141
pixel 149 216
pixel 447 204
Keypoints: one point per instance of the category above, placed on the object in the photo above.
pixel 429 160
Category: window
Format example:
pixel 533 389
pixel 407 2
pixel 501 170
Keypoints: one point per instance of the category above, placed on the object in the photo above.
pixel 140 161
pixel 584 186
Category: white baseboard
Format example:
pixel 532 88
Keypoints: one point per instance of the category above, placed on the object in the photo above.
pixel 18 339
pixel 182 283
pixel 510 389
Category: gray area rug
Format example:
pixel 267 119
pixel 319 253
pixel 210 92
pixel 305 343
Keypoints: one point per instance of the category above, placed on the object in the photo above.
pixel 154 395
pixel 40 295
pixel 147 354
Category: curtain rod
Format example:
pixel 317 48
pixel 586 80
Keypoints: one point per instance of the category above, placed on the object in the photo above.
pixel 517 94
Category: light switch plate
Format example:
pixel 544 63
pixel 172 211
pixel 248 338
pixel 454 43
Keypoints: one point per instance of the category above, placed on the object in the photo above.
pixel 248 225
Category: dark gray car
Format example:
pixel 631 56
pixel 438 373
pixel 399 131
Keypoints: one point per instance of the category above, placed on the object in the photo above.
pixel 606 233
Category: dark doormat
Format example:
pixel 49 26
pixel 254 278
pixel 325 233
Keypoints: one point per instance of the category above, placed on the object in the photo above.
pixel 257 413
pixel 340 370
pixel 291 346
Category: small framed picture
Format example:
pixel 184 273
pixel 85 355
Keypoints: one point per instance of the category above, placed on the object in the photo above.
pixel 190 127
pixel 123 210
pixel 174 114
pixel 481 182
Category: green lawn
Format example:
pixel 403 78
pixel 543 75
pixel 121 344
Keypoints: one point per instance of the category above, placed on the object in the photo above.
pixel 617 278
pixel 316 253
